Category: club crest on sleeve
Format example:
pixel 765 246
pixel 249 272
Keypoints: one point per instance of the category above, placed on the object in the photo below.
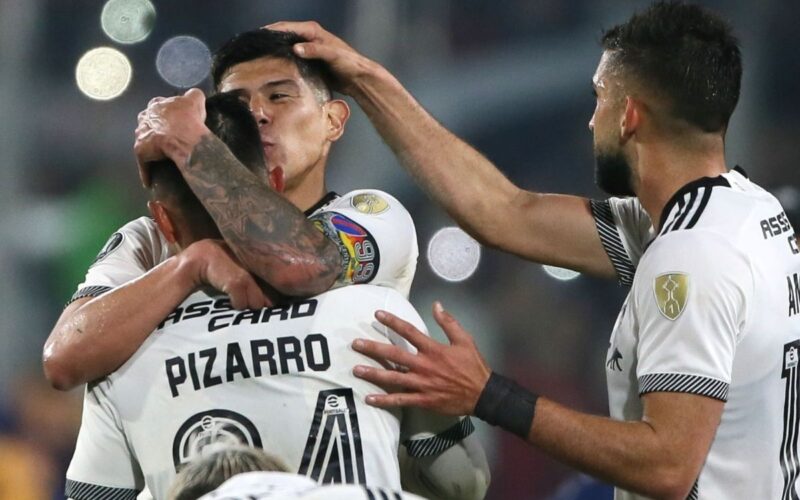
pixel 111 245
pixel 369 203
pixel 671 291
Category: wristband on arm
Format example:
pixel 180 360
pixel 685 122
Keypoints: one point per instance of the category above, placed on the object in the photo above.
pixel 506 404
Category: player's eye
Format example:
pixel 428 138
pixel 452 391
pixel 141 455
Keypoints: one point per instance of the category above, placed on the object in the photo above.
pixel 594 93
pixel 276 96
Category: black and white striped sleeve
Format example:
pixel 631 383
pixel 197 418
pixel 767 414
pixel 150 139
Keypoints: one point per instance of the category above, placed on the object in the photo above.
pixel 436 444
pixel 77 490
pixel 612 241
pixel 88 291
pixel 678 382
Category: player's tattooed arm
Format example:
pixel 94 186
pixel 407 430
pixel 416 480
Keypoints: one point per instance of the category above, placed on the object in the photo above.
pixel 271 237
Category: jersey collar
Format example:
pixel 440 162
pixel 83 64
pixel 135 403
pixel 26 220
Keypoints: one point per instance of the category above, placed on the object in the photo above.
pixel 708 182
pixel 330 196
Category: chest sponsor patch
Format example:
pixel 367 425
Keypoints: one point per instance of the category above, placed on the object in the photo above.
pixel 369 203
pixel 671 291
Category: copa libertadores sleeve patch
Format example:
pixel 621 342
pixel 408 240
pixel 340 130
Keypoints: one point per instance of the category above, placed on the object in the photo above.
pixel 357 247
pixel 112 244
pixel 671 291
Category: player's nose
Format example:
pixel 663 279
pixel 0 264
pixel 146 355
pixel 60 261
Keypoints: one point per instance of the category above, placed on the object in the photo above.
pixel 259 110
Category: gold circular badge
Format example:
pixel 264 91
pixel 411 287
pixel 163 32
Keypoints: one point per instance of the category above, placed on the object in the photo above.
pixel 370 203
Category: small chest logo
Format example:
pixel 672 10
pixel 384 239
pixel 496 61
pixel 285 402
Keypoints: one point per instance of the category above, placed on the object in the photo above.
pixel 671 291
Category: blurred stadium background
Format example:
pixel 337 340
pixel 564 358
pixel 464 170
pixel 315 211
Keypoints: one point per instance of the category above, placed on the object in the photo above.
pixel 510 76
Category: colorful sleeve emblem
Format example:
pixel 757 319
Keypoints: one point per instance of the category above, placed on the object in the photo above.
pixel 359 251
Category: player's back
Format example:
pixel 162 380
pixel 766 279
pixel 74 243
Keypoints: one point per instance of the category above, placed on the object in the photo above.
pixel 754 452
pixel 279 378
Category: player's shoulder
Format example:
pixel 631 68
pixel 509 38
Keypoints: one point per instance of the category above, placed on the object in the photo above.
pixel 368 201
pixel 360 296
pixel 723 204
pixel 140 226
pixel 706 254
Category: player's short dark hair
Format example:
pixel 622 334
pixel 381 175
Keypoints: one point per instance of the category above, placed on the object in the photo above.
pixel 686 54
pixel 230 120
pixel 206 474
pixel 259 43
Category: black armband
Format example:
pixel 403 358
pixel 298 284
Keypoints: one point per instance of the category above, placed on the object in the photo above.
pixel 506 404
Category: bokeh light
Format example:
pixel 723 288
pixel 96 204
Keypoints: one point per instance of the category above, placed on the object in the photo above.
pixel 453 254
pixel 128 21
pixel 103 73
pixel 560 273
pixel 183 61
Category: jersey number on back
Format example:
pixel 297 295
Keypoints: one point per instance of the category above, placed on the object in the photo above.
pixel 790 462
pixel 333 451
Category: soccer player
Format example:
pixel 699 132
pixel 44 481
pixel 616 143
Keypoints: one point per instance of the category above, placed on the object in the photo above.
pixel 365 236
pixel 702 363
pixel 278 378
pixel 243 473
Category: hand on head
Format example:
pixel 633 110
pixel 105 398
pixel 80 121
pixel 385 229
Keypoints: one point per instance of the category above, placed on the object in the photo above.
pixel 169 128
pixel 346 64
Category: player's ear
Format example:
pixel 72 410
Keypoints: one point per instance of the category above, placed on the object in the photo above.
pixel 161 215
pixel 337 113
pixel 631 118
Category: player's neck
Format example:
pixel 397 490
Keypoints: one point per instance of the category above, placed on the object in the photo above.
pixel 306 192
pixel 665 168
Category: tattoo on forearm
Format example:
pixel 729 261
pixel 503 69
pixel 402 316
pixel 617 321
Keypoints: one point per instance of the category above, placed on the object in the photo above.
pixel 264 230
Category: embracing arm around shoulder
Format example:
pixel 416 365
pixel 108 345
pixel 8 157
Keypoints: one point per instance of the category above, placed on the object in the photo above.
pixel 546 228
pixel 95 335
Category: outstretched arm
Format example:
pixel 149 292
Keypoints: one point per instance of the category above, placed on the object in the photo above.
pixel 95 336
pixel 548 228
pixel 269 235
pixel 660 455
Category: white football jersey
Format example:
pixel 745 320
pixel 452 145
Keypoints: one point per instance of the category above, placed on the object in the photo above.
pixel 283 486
pixel 709 314
pixel 279 378
pixel 373 231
